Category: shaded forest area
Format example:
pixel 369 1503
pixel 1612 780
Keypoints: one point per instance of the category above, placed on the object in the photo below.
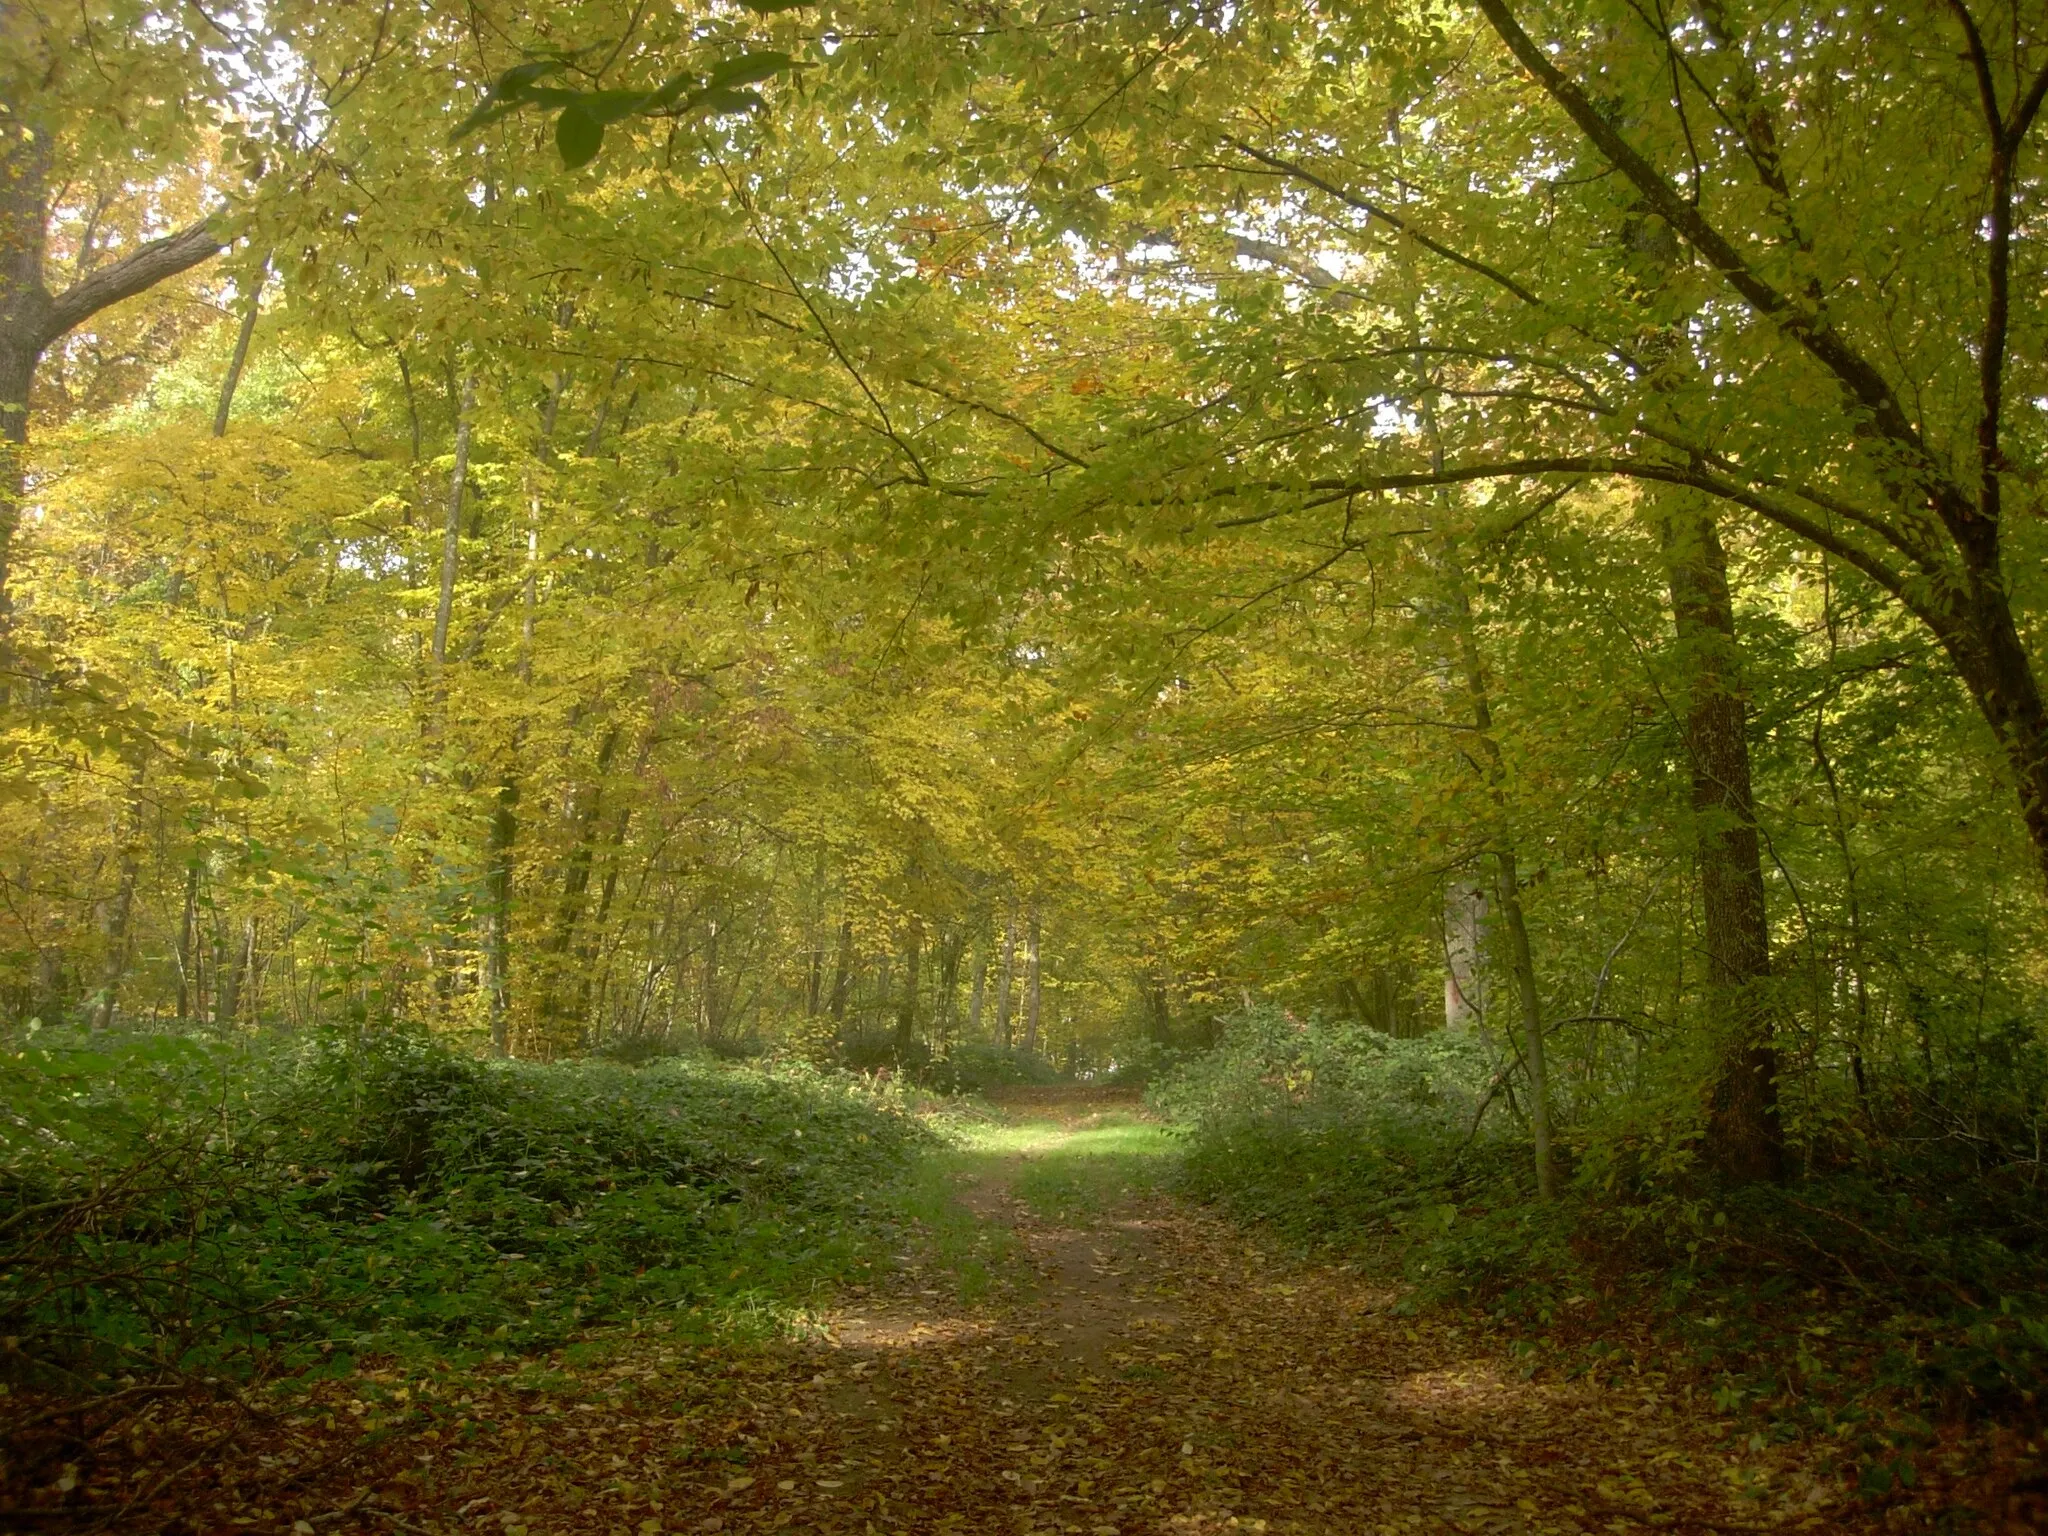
pixel 610 609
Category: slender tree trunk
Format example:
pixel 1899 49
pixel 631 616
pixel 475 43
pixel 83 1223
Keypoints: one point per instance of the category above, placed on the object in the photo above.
pixel 951 948
pixel 1523 965
pixel 118 919
pixel 1032 984
pixel 980 986
pixel 228 1007
pixel 186 959
pixel 557 947
pixel 906 1008
pixel 1507 879
pixel 1007 981
pixel 451 534
pixel 842 971
pixel 240 356
pixel 1464 945
pixel 504 834
pixel 1745 1140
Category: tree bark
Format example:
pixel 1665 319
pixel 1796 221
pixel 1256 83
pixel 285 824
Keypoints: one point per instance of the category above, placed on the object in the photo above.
pixel 1745 1140
pixel 1464 944
pixel 1507 891
pixel 185 934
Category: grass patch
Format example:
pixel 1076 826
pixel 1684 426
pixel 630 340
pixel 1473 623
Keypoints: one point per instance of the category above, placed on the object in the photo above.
pixel 1075 1171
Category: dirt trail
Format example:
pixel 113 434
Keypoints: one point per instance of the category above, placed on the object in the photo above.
pixel 1160 1373
pixel 1145 1370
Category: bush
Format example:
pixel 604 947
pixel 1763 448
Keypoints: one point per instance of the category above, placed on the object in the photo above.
pixel 169 1205
pixel 974 1068
pixel 1339 1135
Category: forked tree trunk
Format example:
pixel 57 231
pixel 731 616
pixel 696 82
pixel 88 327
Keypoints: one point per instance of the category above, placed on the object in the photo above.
pixel 1745 1140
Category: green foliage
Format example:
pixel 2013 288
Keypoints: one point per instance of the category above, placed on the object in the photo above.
pixel 1915 1278
pixel 974 1066
pixel 175 1206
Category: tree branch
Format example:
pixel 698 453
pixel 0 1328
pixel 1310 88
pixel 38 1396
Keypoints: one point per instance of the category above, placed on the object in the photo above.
pixel 140 270
pixel 1859 379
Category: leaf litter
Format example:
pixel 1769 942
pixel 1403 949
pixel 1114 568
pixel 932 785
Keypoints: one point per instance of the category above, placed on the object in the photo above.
pixel 1140 1367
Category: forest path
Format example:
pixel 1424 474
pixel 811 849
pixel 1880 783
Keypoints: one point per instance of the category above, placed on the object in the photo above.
pixel 1068 1348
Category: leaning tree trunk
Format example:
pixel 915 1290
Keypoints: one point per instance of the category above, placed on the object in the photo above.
pixel 1745 1140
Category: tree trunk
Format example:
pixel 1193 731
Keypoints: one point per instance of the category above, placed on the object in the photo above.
pixel 1032 980
pixel 1464 944
pixel 504 834
pixel 556 948
pixel 951 948
pixel 980 987
pixel 842 971
pixel 1745 1140
pixel 451 533
pixel 1523 965
pixel 1008 978
pixel 185 935
pixel 120 912
pixel 1507 879
pixel 906 1009
pixel 240 357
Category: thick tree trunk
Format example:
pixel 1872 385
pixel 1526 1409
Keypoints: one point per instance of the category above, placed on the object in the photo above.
pixel 1745 1140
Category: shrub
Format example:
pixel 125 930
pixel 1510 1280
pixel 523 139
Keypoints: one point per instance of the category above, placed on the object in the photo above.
pixel 172 1205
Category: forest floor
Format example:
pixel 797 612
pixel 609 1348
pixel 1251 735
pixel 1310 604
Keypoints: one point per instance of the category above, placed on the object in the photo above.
pixel 1063 1347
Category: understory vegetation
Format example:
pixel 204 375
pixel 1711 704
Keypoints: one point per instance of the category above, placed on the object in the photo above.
pixel 1900 1279
pixel 176 1208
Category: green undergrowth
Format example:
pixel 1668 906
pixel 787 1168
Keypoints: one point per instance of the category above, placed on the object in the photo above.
pixel 174 1207
pixel 1861 1303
